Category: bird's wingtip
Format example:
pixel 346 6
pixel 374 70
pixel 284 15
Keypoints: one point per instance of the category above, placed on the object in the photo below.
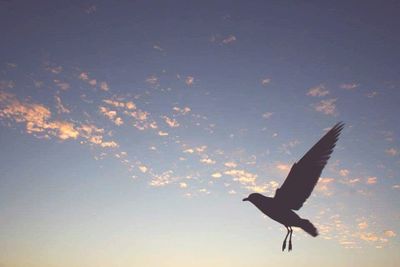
pixel 340 124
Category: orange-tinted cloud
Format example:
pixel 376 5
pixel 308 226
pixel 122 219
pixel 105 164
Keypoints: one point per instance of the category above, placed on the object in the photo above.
pixel 392 151
pixel 324 186
pixel 283 167
pixel 162 179
pixel 36 117
pixel 171 122
pixel 111 115
pixel 242 176
pixel 389 233
pixel 372 180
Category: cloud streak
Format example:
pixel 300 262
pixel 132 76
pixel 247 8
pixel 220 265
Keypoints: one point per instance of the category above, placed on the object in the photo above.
pixel 327 107
pixel 318 91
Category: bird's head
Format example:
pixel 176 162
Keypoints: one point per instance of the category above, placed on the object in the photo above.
pixel 253 197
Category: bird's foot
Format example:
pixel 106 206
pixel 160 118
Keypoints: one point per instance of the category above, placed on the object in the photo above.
pixel 290 245
pixel 284 245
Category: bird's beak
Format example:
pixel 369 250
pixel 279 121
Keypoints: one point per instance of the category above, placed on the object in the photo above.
pixel 245 199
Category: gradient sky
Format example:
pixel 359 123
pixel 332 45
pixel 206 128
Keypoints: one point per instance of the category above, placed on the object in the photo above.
pixel 131 130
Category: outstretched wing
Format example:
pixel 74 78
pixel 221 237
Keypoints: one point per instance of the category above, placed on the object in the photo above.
pixel 304 174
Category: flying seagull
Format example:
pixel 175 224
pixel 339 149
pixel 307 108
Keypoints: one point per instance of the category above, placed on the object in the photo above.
pixel 299 184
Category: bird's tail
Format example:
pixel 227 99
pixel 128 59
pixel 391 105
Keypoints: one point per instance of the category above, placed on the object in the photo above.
pixel 307 226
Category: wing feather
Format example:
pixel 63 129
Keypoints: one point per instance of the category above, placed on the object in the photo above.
pixel 304 174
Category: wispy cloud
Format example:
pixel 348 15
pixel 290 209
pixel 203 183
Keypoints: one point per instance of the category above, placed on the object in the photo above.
pixel 152 80
pixel 392 151
pixel 91 9
pixel 216 175
pixel 182 111
pixel 111 115
pixel 59 106
pixel 84 76
pixel 318 91
pixel 157 47
pixel 189 150
pixel 362 225
pixel 162 179
pixel 62 85
pixel 229 39
pixel 371 237
pixel 242 176
pixel 104 86
pixel 267 115
pixel 350 182
pixel 143 168
pixel 324 186
pixel 94 136
pixel 161 133
pixel 55 69
pixel 372 94
pixel 4 84
pixel 263 188
pixel 266 81
pixel 372 180
pixel 115 103
pixel 389 233
pixel 207 160
pixel 349 86
pixel 257 188
pixel 111 144
pixel 283 167
pixel 189 80
pixel 142 120
pixel 388 135
pixel 286 147
pixel 36 117
pixel 183 185
pixel 171 122
pixel 230 164
pixel 38 121
pixel 11 65
pixel 327 107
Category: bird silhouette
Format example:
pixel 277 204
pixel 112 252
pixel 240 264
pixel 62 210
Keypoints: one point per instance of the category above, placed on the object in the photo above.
pixel 297 187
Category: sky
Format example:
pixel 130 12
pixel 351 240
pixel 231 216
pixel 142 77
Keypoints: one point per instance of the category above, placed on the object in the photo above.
pixel 130 131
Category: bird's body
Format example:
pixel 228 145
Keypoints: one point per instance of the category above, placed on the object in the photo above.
pixel 274 210
pixel 269 207
pixel 299 184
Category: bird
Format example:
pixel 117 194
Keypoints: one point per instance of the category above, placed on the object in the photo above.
pixel 298 186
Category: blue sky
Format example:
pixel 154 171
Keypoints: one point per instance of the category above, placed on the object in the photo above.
pixel 130 131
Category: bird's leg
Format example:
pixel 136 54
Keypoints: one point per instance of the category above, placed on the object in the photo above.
pixel 284 241
pixel 290 239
